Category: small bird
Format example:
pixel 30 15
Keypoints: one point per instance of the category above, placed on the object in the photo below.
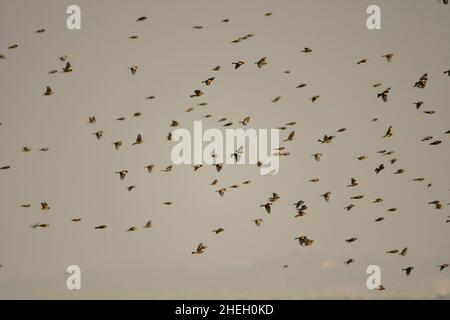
pixel 351 240
pixel 200 249
pixel 103 226
pixel 197 93
pixel 139 140
pixel 141 19
pixel 238 64
pixel 421 84
pixel 216 68
pixel 315 98
pixel 379 168
pixel 197 27
pixel 13 46
pixel 150 168
pixel 122 174
pixel 306 50
pixel 384 94
pixel 245 121
pixel 326 196
pixel 393 251
pixel 148 224
pixel 76 220
pixel 447 72
pixel 40 225
pixel 388 57
pixel 208 81
pixel 117 144
pixel 349 261
pixel 221 191
pixel 353 183
pixel 349 207
pixel 48 91
pixel 131 229
pixel 261 62
pixel 302 85
pixel 443 266
pixel 67 68
pixel 362 61
pixel 276 99
pixel 400 171
pixel 258 222
pixel 290 136
pixel 389 132
pixel 326 139
pixel 408 270
pixel 267 206
pixel 217 231
pixel 418 104
pixel 317 156
pixel 304 241
pixel 45 206
pixel 133 69
pixel 404 252
pixel 130 188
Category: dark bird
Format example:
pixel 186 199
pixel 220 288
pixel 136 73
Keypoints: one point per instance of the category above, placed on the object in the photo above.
pixel 384 94
pixel 48 91
pixel 408 270
pixel 421 84
pixel 141 19
pixel 208 81
pixel 200 249
pixel 238 64
pixel 139 140
pixel 261 62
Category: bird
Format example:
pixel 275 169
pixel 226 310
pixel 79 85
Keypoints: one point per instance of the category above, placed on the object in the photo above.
pixel 197 93
pixel 443 266
pixel 326 196
pixel 100 227
pixel 349 207
pixel 351 240
pixel 304 241
pixel 315 98
pixel 276 99
pixel 219 230
pixel 394 251
pixel 122 174
pixel 67 68
pixel 326 139
pixel 408 270
pixel 421 84
pixel 150 168
pixel 317 156
pixel 302 85
pixel 139 140
pixel 261 62
pixel 349 261
pixel 221 191
pixel 447 72
pixel 200 249
pixel 45 206
pixel 245 121
pixel 131 229
pixel 290 136
pixel 148 224
pixel 362 61
pixel 40 225
pixel 258 222
pixel 403 252
pixel 379 168
pixel 306 50
pixel 384 94
pixel 418 104
pixel 76 220
pixel 48 91
pixel 130 188
pixel 353 183
pixel 133 69
pixel 13 46
pixel 141 19
pixel 117 144
pixel 237 64
pixel 267 206
pixel 389 132
pixel 208 81
pixel 388 56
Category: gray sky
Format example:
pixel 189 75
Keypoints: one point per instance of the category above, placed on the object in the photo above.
pixel 76 176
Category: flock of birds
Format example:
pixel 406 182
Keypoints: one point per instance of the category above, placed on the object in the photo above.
pixel 299 205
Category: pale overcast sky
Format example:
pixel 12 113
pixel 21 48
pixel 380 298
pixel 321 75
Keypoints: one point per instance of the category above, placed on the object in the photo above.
pixel 76 176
